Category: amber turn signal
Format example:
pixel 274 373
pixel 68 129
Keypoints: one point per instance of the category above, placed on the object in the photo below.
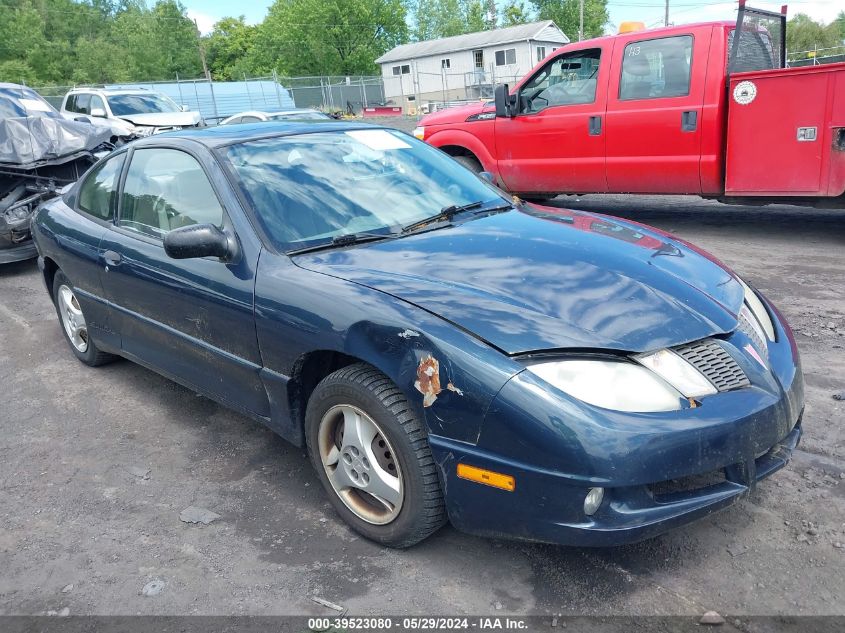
pixel 488 477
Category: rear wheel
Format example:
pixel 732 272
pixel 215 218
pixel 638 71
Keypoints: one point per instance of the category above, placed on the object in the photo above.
pixel 74 324
pixel 372 457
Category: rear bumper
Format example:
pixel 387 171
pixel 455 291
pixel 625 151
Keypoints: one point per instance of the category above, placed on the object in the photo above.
pixel 541 507
pixel 16 252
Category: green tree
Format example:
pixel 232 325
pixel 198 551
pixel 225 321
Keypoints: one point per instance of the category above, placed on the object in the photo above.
pixel 230 49
pixel 515 12
pixel 840 25
pixel 312 37
pixel 491 15
pixel 565 14
pixel 805 34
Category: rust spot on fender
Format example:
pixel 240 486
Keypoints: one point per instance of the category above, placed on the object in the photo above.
pixel 428 380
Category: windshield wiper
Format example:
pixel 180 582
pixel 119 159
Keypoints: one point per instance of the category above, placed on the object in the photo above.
pixel 343 240
pixel 448 212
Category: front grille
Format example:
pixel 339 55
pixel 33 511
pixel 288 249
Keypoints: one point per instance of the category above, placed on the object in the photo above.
pixel 714 362
pixel 687 484
pixel 746 327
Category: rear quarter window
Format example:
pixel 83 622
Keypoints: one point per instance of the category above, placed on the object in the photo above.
pixel 98 193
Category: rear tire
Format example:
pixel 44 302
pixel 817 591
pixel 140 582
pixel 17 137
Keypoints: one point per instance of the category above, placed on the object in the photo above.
pixel 372 456
pixel 73 323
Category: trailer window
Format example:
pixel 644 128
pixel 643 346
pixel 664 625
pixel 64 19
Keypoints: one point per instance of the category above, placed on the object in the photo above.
pixel 654 69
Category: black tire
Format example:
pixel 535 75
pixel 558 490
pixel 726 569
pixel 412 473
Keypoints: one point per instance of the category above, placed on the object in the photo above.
pixel 470 162
pixel 539 197
pixel 92 355
pixel 422 510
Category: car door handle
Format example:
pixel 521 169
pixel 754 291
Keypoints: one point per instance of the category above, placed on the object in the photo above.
pixel 689 121
pixel 595 125
pixel 112 258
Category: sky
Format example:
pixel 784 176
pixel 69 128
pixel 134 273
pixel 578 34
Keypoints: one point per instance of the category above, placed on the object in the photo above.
pixel 207 12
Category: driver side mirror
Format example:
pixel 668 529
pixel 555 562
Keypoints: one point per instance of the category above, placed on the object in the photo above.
pixel 199 240
pixel 184 108
pixel 505 102
pixel 98 112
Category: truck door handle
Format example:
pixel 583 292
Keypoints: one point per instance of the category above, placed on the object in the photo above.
pixel 689 121
pixel 112 258
pixel 595 125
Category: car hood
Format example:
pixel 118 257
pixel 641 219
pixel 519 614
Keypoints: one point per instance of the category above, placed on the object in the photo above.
pixel 545 279
pixel 164 119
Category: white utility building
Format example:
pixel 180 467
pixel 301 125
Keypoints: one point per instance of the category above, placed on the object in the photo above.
pixel 465 67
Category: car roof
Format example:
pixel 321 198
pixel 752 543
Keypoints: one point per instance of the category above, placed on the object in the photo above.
pixel 115 91
pixel 222 135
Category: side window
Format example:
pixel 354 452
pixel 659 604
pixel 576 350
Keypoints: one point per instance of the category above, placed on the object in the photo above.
pixel 167 189
pixel 237 119
pixel 97 102
pixel 70 104
pixel 566 80
pixel 250 119
pixel 98 194
pixel 652 69
pixel 506 57
pixel 82 103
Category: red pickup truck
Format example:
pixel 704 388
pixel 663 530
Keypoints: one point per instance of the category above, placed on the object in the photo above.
pixel 680 110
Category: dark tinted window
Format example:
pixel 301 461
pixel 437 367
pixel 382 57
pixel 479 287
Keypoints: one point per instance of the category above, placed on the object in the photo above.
pixel 98 194
pixel 166 189
pixel 124 105
pixel 652 69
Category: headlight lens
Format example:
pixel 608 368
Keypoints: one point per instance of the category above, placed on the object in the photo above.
pixel 419 132
pixel 618 385
pixel 761 315
pixel 678 373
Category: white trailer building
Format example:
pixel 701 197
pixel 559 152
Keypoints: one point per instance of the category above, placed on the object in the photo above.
pixel 465 67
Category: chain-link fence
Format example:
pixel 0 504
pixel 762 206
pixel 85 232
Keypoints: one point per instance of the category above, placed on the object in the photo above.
pixel 216 100
pixel 816 57
pixel 349 94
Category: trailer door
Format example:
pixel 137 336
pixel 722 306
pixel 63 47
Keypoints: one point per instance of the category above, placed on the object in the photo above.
pixel 654 113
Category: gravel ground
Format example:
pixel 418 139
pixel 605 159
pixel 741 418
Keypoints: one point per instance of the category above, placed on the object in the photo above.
pixel 96 466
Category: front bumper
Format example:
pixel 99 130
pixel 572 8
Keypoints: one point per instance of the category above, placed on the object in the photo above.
pixel 539 508
pixel 658 471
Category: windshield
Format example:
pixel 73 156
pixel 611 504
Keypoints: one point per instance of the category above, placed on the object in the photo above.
pixel 298 115
pixel 310 188
pixel 125 105
pixel 23 102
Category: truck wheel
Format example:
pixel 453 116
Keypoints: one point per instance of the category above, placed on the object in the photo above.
pixel 372 457
pixel 470 162
pixel 74 325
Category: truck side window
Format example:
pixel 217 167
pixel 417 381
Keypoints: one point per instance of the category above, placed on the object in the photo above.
pixel 566 80
pixel 652 69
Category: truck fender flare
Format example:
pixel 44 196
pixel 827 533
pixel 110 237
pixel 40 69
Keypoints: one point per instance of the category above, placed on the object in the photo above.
pixel 458 138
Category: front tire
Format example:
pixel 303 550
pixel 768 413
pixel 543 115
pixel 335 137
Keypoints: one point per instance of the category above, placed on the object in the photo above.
pixel 371 454
pixel 470 162
pixel 74 325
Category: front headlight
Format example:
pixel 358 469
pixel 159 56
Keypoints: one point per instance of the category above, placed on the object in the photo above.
pixel 759 312
pixel 419 132
pixel 618 385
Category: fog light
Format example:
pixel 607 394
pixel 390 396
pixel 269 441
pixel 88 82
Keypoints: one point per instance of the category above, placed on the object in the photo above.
pixel 593 500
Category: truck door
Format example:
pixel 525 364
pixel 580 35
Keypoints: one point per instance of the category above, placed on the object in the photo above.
pixel 654 113
pixel 555 143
